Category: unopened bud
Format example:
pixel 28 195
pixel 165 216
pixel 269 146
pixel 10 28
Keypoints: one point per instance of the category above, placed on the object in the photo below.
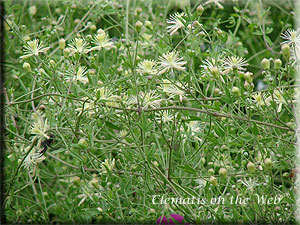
pixel 200 10
pixel 286 51
pixel 66 52
pixel 265 64
pixel 248 77
pixel 268 163
pixel 82 143
pixel 93 27
pixel 236 91
pixel 216 91
pixel 211 171
pixel 138 26
pixel 94 182
pixel 246 85
pixel 223 172
pixel 62 43
pixel 52 63
pixel 138 11
pixel 27 67
pixel 196 24
pixel 277 64
pixel 213 181
pixel 32 10
pixel 251 167
pixel 148 25
pixel 76 180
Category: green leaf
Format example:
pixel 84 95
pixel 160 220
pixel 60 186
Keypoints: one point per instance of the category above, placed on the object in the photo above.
pixel 257 32
pixel 187 168
pixel 268 40
pixel 112 126
pixel 269 30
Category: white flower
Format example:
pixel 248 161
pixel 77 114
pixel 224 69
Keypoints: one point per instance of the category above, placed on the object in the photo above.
pixel 33 48
pixel 176 22
pixel 292 37
pixel 148 100
pixel 147 40
pixel 32 158
pixel 170 61
pixel 101 40
pixel 147 67
pixel 295 54
pixel 194 129
pixel 261 100
pixel 106 95
pixel 173 90
pixel 278 99
pixel 78 45
pixel 234 63
pixel 89 191
pixel 40 127
pixel 250 184
pixel 208 64
pixel 89 106
pixel 151 100
pixel 80 74
pixel 108 165
pixel 215 2
pixel 201 183
pixel 165 116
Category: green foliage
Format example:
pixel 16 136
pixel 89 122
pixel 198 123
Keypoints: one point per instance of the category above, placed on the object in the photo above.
pixel 140 109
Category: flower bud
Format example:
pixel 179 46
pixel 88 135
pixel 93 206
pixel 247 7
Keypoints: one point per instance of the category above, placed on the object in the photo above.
pixel 215 71
pixel 32 10
pixel 200 10
pixel 93 27
pixel 213 181
pixel 286 51
pixel 202 160
pixel 246 85
pixel 62 43
pixel 76 180
pixel 268 163
pixel 236 91
pixel 52 63
pixel 248 77
pixel 94 183
pixel 196 24
pixel 58 194
pixel 138 11
pixel 66 52
pixel 151 210
pixel 45 194
pixel 277 64
pixel 148 25
pixel 27 67
pixel 223 172
pixel 219 32
pixel 211 171
pixel 26 38
pixel 89 37
pixel 265 64
pixel 138 26
pixel 251 167
pixel 217 91
pixel 41 70
pixel 82 143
